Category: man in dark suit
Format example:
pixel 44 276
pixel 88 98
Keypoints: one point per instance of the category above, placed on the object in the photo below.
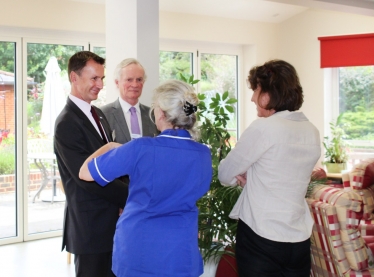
pixel 91 211
pixel 129 78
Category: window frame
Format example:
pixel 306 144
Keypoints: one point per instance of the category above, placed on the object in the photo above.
pixel 198 47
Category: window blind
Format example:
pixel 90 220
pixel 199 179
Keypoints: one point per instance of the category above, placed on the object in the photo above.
pixel 348 50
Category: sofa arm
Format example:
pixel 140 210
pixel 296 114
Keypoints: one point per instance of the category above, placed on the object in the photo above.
pixel 327 253
pixel 348 206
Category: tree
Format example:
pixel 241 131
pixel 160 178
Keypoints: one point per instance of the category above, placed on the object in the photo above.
pixel 7 56
pixel 356 101
pixel 38 55
pixel 174 63
pixel 356 88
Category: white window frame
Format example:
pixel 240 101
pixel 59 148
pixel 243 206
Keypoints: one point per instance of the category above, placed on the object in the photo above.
pixel 25 41
pixel 331 108
pixel 19 157
pixel 198 47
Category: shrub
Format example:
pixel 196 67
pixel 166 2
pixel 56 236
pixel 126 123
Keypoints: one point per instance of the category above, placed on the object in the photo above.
pixel 7 156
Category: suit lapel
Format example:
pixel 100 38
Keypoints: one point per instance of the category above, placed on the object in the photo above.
pixel 104 123
pixel 86 122
pixel 121 122
pixel 147 125
pixel 145 120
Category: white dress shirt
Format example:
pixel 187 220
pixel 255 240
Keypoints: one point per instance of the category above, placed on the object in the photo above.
pixel 278 155
pixel 126 111
pixel 86 109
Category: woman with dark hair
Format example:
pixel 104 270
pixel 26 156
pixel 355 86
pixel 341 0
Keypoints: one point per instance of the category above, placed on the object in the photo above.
pixel 273 162
pixel 157 233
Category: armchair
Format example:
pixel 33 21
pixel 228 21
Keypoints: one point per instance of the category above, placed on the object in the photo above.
pixel 342 240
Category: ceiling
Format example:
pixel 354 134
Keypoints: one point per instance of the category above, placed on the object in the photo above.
pixel 272 11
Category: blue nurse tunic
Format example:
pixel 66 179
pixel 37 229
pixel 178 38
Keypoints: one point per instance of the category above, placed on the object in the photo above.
pixel 157 233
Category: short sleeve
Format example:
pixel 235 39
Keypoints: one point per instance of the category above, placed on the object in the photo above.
pixel 95 173
pixel 115 163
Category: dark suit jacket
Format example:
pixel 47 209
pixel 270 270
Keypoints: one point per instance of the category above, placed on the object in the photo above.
pixel 91 211
pixel 116 118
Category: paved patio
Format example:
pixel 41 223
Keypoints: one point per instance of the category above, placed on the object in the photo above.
pixel 42 216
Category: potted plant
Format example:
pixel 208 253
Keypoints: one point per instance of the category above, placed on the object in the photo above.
pixel 336 156
pixel 217 231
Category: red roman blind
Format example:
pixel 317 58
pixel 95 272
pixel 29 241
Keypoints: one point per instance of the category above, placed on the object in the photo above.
pixel 349 50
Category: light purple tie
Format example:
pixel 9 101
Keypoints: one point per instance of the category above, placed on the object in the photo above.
pixel 135 129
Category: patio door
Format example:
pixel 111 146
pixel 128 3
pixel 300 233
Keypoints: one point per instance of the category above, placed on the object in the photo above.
pixel 216 66
pixel 10 190
pixel 46 87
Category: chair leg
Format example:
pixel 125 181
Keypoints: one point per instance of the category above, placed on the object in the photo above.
pixel 69 257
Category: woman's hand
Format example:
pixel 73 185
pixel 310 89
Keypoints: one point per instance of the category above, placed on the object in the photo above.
pixel 241 179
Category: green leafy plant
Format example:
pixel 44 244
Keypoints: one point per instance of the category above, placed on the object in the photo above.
pixel 217 231
pixel 318 178
pixel 336 147
pixel 7 155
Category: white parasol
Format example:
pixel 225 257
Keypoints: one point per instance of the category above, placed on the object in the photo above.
pixel 54 97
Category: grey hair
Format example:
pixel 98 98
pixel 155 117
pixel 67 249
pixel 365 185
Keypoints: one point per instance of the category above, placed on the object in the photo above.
pixel 171 96
pixel 125 63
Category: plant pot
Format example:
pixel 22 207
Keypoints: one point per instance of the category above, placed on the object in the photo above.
pixel 227 266
pixel 335 167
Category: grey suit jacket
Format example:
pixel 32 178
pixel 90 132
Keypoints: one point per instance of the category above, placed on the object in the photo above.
pixel 114 114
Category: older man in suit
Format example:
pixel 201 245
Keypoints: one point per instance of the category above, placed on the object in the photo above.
pixel 127 117
pixel 91 211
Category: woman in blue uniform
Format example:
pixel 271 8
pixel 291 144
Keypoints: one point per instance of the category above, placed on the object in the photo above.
pixel 157 233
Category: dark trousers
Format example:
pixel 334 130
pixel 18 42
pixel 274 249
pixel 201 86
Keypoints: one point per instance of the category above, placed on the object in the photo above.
pixel 93 265
pixel 257 256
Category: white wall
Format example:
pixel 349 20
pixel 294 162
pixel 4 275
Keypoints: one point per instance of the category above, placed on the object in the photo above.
pixel 53 15
pixel 297 43
pixel 294 40
pixel 255 39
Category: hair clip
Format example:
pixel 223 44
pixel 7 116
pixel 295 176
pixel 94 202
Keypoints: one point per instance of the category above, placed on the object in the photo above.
pixel 189 109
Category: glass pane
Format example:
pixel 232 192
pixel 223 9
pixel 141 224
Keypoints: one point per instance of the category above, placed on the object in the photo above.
pixel 48 87
pixel 219 74
pixel 356 102
pixel 8 212
pixel 101 51
pixel 173 63
pixel 101 99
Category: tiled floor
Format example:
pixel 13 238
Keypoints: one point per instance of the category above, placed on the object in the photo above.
pixel 43 258
pixel 38 258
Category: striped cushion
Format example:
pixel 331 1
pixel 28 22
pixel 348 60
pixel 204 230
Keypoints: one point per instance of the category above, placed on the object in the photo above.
pixel 367 196
pixel 362 175
pixel 365 273
pixel 366 227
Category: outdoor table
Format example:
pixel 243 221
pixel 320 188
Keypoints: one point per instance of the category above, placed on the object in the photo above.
pixel 39 160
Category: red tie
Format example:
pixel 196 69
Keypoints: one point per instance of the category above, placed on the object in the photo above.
pixel 94 114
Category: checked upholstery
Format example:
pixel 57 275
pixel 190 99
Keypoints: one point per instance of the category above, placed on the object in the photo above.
pixel 342 240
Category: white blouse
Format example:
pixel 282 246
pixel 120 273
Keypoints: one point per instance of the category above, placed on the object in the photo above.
pixel 278 154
